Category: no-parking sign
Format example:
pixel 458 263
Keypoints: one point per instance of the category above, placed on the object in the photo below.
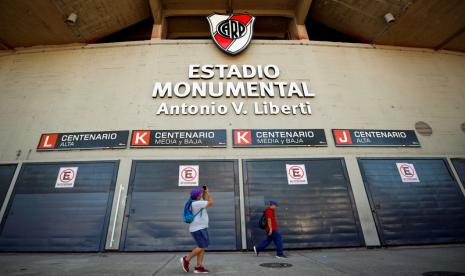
pixel 296 174
pixel 407 172
pixel 66 177
pixel 188 175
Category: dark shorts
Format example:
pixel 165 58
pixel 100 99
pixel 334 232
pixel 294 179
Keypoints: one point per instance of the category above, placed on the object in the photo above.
pixel 201 238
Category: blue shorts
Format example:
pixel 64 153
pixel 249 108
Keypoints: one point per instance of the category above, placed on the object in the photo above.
pixel 201 238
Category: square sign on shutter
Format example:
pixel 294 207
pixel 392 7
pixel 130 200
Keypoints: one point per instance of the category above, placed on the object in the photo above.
pixel 407 172
pixel 188 175
pixel 296 174
pixel 66 177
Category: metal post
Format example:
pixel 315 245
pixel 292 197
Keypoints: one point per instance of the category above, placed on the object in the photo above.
pixel 242 206
pixel 119 199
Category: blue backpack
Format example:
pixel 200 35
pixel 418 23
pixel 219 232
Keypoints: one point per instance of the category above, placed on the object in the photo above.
pixel 188 216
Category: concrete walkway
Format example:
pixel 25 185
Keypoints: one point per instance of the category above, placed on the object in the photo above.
pixel 370 262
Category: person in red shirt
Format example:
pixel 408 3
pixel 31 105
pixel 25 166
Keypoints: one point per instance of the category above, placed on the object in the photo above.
pixel 272 233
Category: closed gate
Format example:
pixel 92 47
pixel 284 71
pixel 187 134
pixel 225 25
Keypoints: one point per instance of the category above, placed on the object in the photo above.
pixel 421 204
pixel 6 175
pixel 155 202
pixel 319 214
pixel 43 216
pixel 459 165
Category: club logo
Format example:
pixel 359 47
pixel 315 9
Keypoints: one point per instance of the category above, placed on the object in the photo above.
pixel 231 33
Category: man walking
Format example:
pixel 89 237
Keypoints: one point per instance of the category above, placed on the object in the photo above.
pixel 271 231
pixel 199 229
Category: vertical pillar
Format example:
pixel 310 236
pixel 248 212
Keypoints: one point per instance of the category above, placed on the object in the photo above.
pixel 297 32
pixel 456 176
pixel 242 206
pixel 10 191
pixel 301 11
pixel 159 22
pixel 159 30
pixel 363 205
pixel 119 203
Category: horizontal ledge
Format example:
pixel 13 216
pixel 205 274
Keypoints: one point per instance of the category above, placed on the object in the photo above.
pixel 74 46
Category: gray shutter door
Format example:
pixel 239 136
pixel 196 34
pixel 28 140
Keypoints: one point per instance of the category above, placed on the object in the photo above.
pixel 459 165
pixel 406 213
pixel 6 175
pixel 41 217
pixel 155 205
pixel 319 214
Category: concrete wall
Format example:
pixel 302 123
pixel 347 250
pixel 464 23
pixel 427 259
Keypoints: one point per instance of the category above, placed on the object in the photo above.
pixel 109 87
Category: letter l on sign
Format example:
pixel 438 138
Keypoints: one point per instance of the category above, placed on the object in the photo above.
pixel 48 141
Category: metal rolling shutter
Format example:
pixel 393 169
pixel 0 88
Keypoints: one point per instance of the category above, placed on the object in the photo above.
pixel 319 214
pixel 155 204
pixel 6 175
pixel 41 217
pixel 426 212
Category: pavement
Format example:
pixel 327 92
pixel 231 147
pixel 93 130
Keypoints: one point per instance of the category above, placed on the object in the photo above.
pixel 332 262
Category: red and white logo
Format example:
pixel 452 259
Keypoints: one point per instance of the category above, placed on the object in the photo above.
pixel 342 137
pixel 231 33
pixel 66 177
pixel 188 175
pixel 48 141
pixel 242 137
pixel 407 172
pixel 140 138
pixel 296 174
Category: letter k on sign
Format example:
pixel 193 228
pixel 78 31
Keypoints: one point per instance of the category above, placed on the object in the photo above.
pixel 140 138
pixel 242 137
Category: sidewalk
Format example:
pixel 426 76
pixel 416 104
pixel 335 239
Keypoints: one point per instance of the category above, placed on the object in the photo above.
pixel 332 262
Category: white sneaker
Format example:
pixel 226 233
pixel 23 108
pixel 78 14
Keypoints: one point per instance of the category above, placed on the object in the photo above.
pixel 255 250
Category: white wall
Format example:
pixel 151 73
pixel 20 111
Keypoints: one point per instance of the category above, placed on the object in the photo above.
pixel 109 87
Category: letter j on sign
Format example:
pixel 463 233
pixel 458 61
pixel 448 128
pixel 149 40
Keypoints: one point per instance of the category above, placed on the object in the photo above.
pixel 296 174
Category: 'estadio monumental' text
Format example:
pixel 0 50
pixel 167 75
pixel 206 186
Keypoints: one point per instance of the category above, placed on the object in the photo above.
pixel 270 88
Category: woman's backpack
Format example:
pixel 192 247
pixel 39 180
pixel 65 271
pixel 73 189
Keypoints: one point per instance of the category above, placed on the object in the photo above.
pixel 188 216
pixel 262 221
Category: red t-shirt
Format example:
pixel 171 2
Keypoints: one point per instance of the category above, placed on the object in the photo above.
pixel 269 213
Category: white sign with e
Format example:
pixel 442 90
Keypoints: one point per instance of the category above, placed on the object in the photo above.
pixel 296 174
pixel 407 172
pixel 66 177
pixel 188 175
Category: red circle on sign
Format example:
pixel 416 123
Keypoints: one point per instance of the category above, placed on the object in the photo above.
pixel 403 172
pixel 194 175
pixel 69 173
pixel 300 170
